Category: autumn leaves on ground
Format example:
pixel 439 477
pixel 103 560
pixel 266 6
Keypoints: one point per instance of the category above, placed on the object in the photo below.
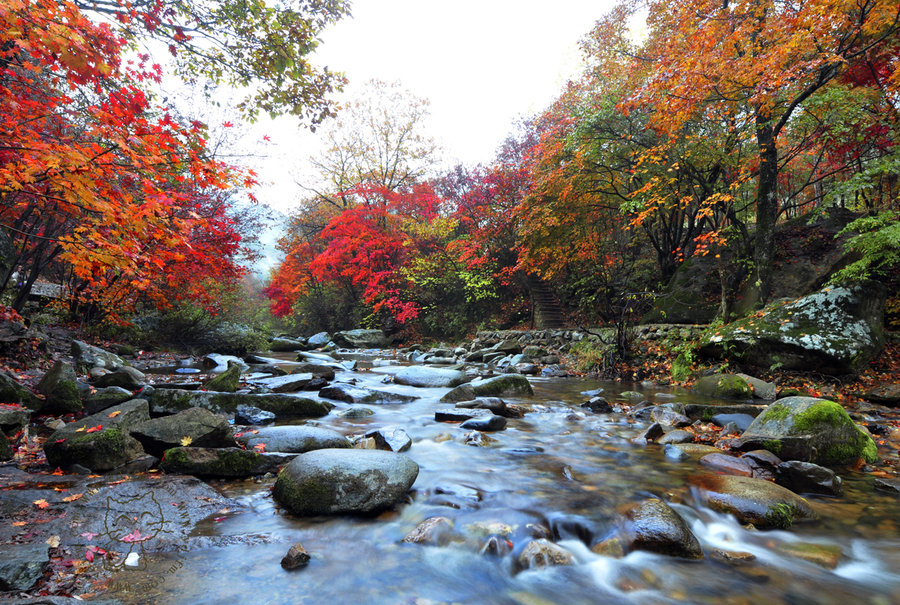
pixel 712 158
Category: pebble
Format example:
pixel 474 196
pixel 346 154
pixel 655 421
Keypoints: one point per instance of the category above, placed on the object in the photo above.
pixel 295 558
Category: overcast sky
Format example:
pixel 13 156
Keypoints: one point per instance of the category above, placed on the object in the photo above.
pixel 481 63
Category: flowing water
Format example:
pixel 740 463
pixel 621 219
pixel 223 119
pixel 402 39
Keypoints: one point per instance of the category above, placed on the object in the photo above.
pixel 557 467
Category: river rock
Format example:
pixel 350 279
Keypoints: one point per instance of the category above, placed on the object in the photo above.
pixel 295 558
pixel 837 330
pixel 668 417
pixel 654 526
pixel 741 421
pixel 434 531
pixel 888 395
pixel 723 463
pixel 597 405
pixel 808 478
pixel 705 412
pixel 6 452
pixel 228 462
pixel 228 381
pixel 362 339
pixel 292 383
pixel 809 429
pixel 344 481
pixel 60 387
pixel 125 377
pixel 316 369
pixel 13 392
pixel 22 565
pixel 88 356
pixel 284 406
pixel 755 501
pixel 460 414
pixel 497 386
pixel 761 389
pixel 98 400
pixel 104 448
pixel 677 436
pixel 353 394
pixel 651 434
pixel 355 412
pixel 202 427
pixel 420 376
pixel 391 438
pixel 695 450
pixel 248 414
pixel 13 418
pixel 494 404
pixel 294 439
pixel 283 344
pixel 318 340
pixel 723 386
pixel 543 553
pixel 823 555
pixel 216 362
pixel 486 424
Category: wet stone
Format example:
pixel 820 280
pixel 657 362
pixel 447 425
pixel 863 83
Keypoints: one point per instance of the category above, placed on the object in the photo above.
pixel 435 531
pixel 543 553
pixel 485 424
pixel 597 405
pixel 251 415
pixel 667 417
pixel 656 527
pixel 392 438
pixel 355 412
pixel 460 414
pixel 653 432
pixel 22 566
pixel 676 436
pixel 724 463
pixel 808 478
pixel 295 558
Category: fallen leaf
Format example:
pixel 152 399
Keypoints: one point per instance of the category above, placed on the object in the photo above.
pixel 114 414
pixel 260 447
pixel 42 504
pixel 94 429
pixel 18 524
pixel 72 498
pixel 81 429
pixel 89 535
pixel 186 441
pixel 53 541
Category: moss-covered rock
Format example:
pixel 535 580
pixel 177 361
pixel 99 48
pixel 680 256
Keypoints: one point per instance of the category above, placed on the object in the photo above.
pixel 107 446
pixel 811 430
pixel 13 392
pixel 232 462
pixel 503 385
pixel 362 339
pixel 60 387
pixel 837 330
pixel 201 427
pixel 755 501
pixel 724 386
pixel 171 401
pixel 333 481
pixel 227 382
pixel 97 400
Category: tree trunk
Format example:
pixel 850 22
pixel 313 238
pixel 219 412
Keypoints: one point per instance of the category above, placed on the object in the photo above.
pixel 766 207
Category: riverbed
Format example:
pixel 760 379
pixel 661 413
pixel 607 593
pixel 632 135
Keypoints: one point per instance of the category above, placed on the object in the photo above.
pixel 559 472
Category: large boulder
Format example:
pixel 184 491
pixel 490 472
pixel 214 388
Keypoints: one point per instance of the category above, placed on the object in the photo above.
pixel 808 429
pixel 353 394
pixel 22 566
pixel 170 401
pixel 125 377
pixel 60 386
pixel 755 501
pixel 654 526
pixel 283 344
pixel 230 462
pixel 291 383
pixel 88 356
pixel 295 439
pixel 344 481
pixel 362 339
pixel 97 400
pixel 226 382
pixel 837 330
pixel 100 442
pixel 420 376
pixel 724 386
pixel 196 426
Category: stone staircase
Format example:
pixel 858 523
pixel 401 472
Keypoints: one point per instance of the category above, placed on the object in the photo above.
pixel 548 310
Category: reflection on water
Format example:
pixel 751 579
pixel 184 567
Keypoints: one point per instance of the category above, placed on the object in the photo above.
pixel 557 468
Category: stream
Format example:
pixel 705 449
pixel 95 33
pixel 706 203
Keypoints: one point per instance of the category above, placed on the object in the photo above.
pixel 560 467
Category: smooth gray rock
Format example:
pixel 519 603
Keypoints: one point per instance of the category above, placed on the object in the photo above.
pixel 13 419
pixel 291 383
pixel 741 421
pixel 100 399
pixel 22 565
pixel 353 394
pixel 13 392
pixel 344 481
pixel 88 356
pixel 485 424
pixel 391 438
pixel 294 439
pixel 319 340
pixel 420 376
pixel 761 389
pixel 751 500
pixel 230 462
pixel 362 339
pixel 126 377
pixel 248 414
pixel 543 553
pixel 808 478
pixel 283 344
pixel 284 406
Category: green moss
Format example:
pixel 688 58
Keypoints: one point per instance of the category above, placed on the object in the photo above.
pixel 823 412
pixel 860 447
pixel 235 463
pixel 174 457
pixel 99 439
pixel 780 516
pixel 681 367
pixel 773 445
pixel 775 413
pixel 307 497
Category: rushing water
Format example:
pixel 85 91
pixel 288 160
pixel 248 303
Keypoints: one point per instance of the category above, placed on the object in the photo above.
pixel 558 467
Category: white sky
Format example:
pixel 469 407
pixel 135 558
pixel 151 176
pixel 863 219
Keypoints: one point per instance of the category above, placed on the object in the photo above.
pixel 482 64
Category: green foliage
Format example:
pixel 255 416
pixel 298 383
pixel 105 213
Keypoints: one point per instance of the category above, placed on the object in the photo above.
pixel 780 515
pixel 591 355
pixel 877 242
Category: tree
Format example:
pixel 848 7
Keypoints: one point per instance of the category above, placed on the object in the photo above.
pixel 252 44
pixel 763 60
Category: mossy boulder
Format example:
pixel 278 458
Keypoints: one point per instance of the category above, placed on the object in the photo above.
pixel 60 387
pixel 202 427
pixel 125 377
pixel 724 386
pixel 229 462
pixel 13 418
pixel 509 385
pixel 107 446
pixel 88 356
pixel 362 339
pixel 227 382
pixel 283 344
pixel 751 500
pixel 171 401
pixel 334 481
pixel 97 400
pixel 13 392
pixel 837 330
pixel 811 430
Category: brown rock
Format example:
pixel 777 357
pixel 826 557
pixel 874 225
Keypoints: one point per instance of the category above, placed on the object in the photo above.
pixel 727 464
pixel 434 531
pixel 295 558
